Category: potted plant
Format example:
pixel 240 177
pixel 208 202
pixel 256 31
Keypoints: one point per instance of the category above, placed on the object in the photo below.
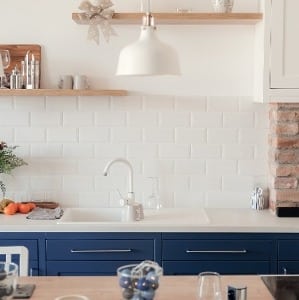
pixel 8 162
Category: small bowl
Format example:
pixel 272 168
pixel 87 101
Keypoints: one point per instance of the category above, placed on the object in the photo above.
pixel 139 281
pixel 72 297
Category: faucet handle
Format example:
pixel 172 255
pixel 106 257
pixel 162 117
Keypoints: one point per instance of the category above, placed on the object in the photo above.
pixel 123 200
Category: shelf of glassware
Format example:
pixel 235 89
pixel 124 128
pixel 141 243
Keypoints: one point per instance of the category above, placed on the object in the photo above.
pixel 179 18
pixel 61 92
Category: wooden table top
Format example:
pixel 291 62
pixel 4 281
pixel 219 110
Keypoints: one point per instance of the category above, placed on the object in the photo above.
pixel 106 287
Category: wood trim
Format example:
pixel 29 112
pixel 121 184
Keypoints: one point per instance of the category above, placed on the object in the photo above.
pixel 61 92
pixel 179 18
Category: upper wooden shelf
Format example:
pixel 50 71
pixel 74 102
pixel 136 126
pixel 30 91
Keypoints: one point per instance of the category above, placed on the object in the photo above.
pixel 179 18
pixel 61 92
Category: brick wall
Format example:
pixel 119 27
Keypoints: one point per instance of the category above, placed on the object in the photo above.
pixel 284 154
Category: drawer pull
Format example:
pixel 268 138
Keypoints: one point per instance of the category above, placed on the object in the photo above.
pixel 216 251
pixel 102 251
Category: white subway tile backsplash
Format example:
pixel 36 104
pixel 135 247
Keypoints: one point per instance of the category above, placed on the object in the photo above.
pixel 159 103
pixel 174 151
pixel 159 135
pixel 190 166
pixel 114 118
pixel 222 104
pixel 61 104
pixel 190 135
pixel 128 103
pixel 127 135
pixel 14 119
pixel 142 151
pixel 77 150
pixel 191 103
pixel 46 150
pixel 143 119
pixel 94 103
pixel 78 119
pixel 46 119
pixel 238 151
pixel 207 119
pixel 175 119
pixel 94 134
pixel 30 135
pixel 221 167
pixel 64 135
pixel 205 183
pixel 104 150
pixel 24 103
pixel 222 135
pixel 205 151
pixel 238 120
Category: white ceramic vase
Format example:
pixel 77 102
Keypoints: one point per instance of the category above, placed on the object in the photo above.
pixel 223 6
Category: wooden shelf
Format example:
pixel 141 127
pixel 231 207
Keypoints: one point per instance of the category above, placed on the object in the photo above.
pixel 179 18
pixel 61 92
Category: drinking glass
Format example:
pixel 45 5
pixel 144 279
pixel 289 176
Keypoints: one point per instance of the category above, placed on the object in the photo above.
pixel 5 61
pixel 8 279
pixel 209 286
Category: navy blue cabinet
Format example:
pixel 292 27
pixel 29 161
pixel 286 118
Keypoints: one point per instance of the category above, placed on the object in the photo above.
pixel 288 254
pixel 83 253
pixel 30 240
pixel 192 253
pixel 98 253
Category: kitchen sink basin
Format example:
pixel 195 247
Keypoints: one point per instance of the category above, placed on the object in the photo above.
pixel 165 216
pixel 90 215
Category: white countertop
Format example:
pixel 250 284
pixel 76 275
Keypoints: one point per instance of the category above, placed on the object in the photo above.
pixel 166 220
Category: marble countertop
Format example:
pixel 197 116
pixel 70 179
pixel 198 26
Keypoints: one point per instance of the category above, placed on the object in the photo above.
pixel 165 220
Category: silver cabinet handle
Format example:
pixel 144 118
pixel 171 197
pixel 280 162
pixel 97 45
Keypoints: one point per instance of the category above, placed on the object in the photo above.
pixel 216 251
pixel 101 251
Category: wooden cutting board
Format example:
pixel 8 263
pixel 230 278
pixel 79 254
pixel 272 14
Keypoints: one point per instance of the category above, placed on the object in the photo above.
pixel 18 52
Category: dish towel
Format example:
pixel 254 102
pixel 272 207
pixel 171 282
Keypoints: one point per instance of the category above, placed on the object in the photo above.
pixel 45 213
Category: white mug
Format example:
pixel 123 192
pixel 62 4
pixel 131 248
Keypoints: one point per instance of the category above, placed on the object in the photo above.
pixel 80 82
pixel 65 82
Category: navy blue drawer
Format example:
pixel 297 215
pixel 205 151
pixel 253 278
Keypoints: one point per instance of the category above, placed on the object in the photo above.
pixel 100 249
pixel 85 268
pixel 222 267
pixel 217 250
pixel 288 250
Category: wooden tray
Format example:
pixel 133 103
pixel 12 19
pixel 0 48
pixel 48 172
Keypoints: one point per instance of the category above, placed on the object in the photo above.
pixel 18 52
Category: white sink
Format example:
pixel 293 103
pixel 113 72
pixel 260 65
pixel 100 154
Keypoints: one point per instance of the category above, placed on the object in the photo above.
pixel 165 216
pixel 90 215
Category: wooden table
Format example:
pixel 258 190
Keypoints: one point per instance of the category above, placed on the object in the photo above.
pixel 106 287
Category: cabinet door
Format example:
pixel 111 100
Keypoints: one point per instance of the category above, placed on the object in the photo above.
pixel 284 58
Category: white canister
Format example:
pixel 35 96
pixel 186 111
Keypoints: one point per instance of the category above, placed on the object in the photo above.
pixel 80 82
pixel 65 82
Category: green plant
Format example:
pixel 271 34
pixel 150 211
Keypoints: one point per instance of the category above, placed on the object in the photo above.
pixel 8 162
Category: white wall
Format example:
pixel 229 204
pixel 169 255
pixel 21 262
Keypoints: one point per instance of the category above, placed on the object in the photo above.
pixel 199 133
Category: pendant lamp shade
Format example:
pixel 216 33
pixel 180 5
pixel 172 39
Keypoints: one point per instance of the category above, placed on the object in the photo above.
pixel 148 56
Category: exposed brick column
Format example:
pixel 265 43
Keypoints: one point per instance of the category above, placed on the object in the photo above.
pixel 284 154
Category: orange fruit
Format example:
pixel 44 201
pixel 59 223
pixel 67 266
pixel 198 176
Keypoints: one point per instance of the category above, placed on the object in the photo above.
pixel 32 205
pixel 10 209
pixel 24 208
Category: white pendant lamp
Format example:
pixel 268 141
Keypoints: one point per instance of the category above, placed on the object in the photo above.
pixel 148 56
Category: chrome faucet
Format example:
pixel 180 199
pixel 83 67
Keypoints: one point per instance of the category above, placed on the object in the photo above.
pixel 131 196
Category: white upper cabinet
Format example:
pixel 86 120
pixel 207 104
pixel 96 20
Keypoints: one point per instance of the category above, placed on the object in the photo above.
pixel 277 52
pixel 284 59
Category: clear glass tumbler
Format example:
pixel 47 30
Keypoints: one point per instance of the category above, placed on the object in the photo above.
pixel 8 279
pixel 209 286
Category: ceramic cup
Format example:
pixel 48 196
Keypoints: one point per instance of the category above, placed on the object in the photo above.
pixel 80 82
pixel 65 82
pixel 72 297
